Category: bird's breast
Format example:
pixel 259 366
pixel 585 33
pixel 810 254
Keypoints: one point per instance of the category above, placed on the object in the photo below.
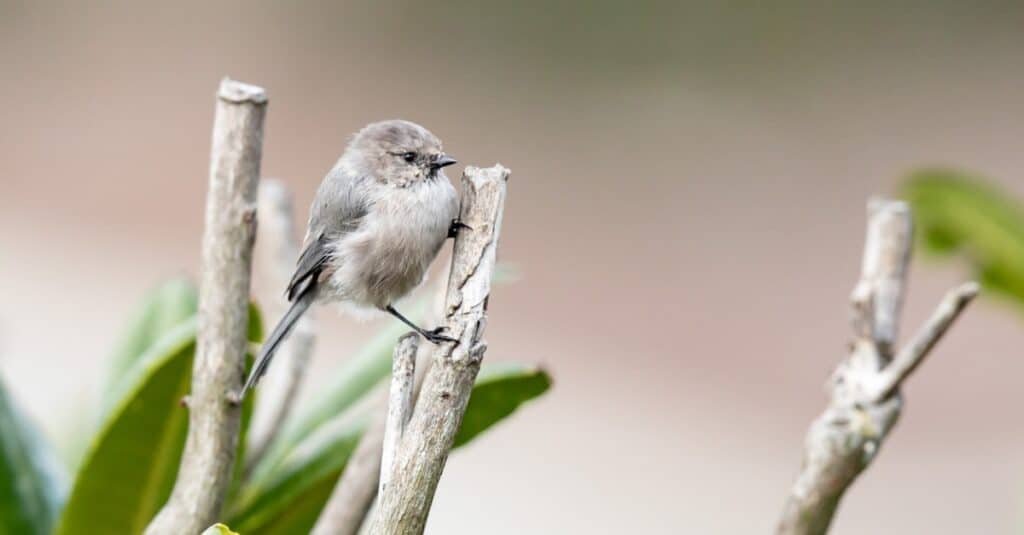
pixel 397 240
pixel 418 216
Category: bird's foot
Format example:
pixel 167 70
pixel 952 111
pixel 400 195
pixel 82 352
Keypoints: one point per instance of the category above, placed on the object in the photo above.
pixel 456 226
pixel 434 336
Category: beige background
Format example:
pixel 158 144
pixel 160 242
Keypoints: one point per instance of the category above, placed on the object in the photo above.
pixel 686 210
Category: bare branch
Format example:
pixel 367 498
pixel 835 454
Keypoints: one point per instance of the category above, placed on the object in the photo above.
pixel 353 495
pixel 403 372
pixel 877 298
pixel 845 438
pixel 230 229
pixel 405 504
pixel 276 251
pixel 349 503
pixel 925 339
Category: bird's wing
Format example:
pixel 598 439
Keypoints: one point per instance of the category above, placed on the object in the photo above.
pixel 311 263
pixel 339 207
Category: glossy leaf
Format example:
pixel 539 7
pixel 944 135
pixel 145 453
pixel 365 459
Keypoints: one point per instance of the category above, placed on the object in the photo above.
pixel 354 380
pixel 32 484
pixel 289 498
pixel 960 213
pixel 162 309
pixel 499 390
pixel 130 468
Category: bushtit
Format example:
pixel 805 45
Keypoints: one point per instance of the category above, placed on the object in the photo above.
pixel 378 220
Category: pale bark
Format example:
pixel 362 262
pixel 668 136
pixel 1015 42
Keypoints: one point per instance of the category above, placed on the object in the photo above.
pixel 277 250
pixel 353 495
pixel 350 501
pixel 230 229
pixel 403 373
pixel 865 398
pixel 429 435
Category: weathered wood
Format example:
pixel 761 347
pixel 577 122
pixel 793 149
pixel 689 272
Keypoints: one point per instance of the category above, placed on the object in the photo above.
pixel 403 374
pixel 865 399
pixel 353 495
pixel 230 229
pixel 405 504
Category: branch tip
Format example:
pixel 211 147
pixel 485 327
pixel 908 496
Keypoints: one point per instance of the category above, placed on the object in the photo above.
pixel 240 92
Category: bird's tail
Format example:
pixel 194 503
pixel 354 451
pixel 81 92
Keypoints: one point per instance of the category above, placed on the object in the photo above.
pixel 299 306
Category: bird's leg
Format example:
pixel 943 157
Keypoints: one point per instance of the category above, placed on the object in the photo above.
pixel 456 226
pixel 433 336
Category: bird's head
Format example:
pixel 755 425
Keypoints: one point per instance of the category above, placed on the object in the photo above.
pixel 397 152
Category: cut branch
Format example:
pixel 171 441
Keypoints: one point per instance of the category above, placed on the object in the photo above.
pixel 403 373
pixel 877 298
pixel 230 229
pixel 347 508
pixel 865 399
pixel 349 503
pixel 421 455
pixel 276 252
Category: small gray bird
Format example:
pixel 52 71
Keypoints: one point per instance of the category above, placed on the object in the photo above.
pixel 378 220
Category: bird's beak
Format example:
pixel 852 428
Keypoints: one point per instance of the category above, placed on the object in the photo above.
pixel 443 161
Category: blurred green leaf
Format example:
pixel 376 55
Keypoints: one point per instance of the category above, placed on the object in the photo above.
pixel 499 390
pixel 956 212
pixel 218 529
pixel 130 468
pixel 162 309
pixel 128 473
pixel 289 498
pixel 32 485
pixel 353 381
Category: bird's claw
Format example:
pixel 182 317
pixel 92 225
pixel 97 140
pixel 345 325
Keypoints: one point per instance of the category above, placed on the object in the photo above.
pixel 456 226
pixel 434 336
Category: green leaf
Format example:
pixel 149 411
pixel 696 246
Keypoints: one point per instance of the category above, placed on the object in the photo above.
pixel 353 381
pixel 289 498
pixel 130 468
pixel 32 485
pixel 162 309
pixel 956 212
pixel 499 390
pixel 218 529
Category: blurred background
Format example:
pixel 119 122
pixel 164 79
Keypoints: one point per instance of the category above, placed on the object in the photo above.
pixel 686 212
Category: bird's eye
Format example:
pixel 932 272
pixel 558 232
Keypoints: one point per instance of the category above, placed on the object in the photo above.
pixel 409 157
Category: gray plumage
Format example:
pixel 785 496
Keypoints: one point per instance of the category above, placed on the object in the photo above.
pixel 378 220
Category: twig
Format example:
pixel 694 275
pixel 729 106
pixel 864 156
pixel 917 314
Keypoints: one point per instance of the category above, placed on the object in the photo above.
pixel 403 371
pixel 878 296
pixel 349 503
pixel 276 251
pixel 353 495
pixel 865 398
pixel 914 352
pixel 230 229
pixel 420 459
